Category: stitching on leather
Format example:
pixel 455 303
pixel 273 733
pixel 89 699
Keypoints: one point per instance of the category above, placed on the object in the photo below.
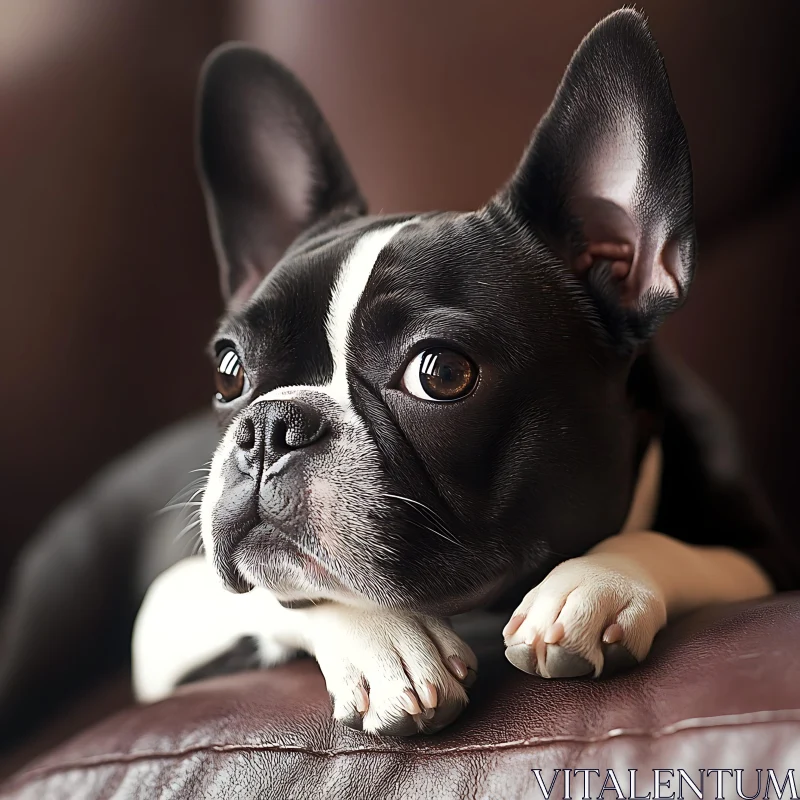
pixel 694 723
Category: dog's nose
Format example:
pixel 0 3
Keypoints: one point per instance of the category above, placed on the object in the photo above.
pixel 276 427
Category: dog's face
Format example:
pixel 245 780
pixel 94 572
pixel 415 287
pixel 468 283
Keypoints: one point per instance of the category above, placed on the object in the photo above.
pixel 418 409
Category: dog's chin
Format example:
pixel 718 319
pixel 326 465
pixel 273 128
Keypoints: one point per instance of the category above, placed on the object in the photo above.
pixel 270 559
pixel 297 579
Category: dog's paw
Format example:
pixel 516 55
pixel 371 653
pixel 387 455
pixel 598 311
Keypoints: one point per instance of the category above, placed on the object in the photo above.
pixel 391 673
pixel 590 615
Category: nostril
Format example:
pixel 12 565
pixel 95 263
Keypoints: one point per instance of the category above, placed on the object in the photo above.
pixel 246 434
pixel 279 438
pixel 302 436
pixel 303 427
pixel 287 425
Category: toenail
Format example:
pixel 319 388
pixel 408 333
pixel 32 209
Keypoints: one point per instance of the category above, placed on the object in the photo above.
pixel 555 633
pixel 458 667
pixel 613 634
pixel 512 626
pixel 428 695
pixel 409 702
pixel 523 658
pixel 362 700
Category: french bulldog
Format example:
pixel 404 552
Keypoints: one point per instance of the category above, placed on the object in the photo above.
pixel 426 414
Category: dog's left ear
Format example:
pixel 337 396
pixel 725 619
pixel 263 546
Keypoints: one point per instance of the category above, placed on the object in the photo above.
pixel 607 181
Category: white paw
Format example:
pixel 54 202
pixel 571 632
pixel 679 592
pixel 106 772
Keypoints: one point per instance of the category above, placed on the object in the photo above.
pixel 591 614
pixel 391 673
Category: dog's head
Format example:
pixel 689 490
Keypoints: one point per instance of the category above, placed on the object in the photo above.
pixel 418 408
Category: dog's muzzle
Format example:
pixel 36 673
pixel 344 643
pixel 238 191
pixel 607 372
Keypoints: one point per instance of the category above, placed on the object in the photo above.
pixel 265 433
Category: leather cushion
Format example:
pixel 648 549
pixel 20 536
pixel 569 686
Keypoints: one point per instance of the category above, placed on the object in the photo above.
pixel 721 689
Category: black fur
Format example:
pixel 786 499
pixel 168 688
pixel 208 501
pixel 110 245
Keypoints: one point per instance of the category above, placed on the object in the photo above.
pixel 242 655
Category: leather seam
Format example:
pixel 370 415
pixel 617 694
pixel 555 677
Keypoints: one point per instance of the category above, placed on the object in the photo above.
pixel 731 721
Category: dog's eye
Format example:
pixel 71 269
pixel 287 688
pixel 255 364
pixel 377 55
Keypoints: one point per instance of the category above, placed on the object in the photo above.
pixel 441 375
pixel 230 379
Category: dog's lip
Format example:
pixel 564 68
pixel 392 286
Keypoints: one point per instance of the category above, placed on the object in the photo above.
pixel 232 577
pixel 304 554
pixel 310 561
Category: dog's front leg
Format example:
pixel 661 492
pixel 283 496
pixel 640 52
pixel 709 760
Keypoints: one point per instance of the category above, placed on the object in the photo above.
pixel 601 611
pixel 390 672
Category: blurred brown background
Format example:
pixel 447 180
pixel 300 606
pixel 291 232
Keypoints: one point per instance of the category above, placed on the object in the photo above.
pixel 108 281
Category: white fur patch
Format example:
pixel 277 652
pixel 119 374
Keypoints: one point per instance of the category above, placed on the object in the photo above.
pixel 347 292
pixel 187 619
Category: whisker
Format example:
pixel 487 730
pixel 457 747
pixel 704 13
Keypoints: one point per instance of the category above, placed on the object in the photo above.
pixel 426 511
pixel 187 528
pixel 417 503
pixel 192 485
pixel 174 506
pixel 440 530
pixel 439 533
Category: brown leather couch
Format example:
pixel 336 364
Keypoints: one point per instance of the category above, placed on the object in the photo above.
pixel 721 690
pixel 106 262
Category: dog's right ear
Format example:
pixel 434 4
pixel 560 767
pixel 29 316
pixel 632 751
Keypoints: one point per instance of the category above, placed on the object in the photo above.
pixel 269 164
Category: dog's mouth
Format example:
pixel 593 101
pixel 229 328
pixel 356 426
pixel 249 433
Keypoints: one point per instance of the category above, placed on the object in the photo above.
pixel 268 557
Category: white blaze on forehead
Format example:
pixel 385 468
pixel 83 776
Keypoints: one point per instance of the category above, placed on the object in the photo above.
pixel 347 291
